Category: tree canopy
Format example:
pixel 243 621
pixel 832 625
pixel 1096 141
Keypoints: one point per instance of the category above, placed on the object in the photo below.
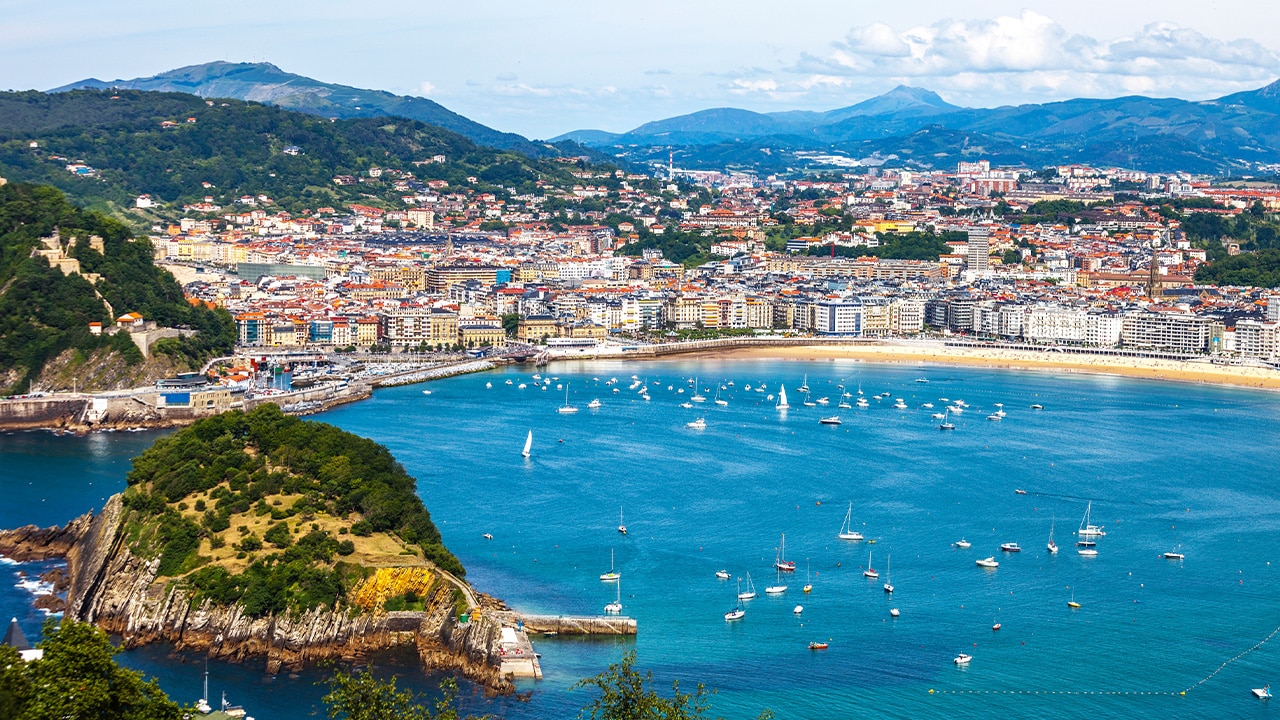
pixel 44 311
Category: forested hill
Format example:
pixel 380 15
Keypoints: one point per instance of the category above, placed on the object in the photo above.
pixel 45 314
pixel 181 148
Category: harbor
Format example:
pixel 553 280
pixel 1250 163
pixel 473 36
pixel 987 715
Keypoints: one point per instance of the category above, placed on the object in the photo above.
pixel 696 502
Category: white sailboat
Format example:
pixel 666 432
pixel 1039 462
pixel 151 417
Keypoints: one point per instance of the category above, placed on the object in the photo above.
pixel 566 408
pixel 808 584
pixel 846 530
pixel 780 561
pixel 750 592
pixel 697 394
pixel 870 571
pixel 1053 546
pixel 738 612
pixel 622 527
pixel 615 607
pixel 613 574
pixel 719 401
pixel 528 444
pixel 1088 529
pixel 804 386
pixel 782 398
pixel 946 423
pixel 778 588
pixel 888 575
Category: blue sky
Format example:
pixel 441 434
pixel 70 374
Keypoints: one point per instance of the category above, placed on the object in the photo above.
pixel 544 67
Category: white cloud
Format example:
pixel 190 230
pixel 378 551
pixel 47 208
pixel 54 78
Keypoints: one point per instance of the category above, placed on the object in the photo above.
pixel 743 86
pixel 1032 57
pixel 426 88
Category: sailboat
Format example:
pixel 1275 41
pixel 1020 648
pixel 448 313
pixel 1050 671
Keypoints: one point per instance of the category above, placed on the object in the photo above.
pixel 622 528
pixel 566 408
pixel 615 607
pixel 697 394
pixel 808 402
pixel 808 584
pixel 870 571
pixel 1086 528
pixel 612 574
pixel 750 592
pixel 528 444
pixel 946 421
pixel 781 562
pixel 738 612
pixel 778 588
pixel 782 398
pixel 1053 546
pixel 718 401
pixel 1072 602
pixel 888 581
pixel 804 386
pixel 846 530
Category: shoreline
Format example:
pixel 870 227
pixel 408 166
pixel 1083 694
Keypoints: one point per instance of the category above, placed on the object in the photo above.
pixel 1196 373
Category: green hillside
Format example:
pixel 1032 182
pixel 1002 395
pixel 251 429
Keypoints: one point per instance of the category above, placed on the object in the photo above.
pixel 238 148
pixel 279 513
pixel 44 313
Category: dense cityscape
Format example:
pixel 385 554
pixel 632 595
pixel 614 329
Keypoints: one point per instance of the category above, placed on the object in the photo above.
pixel 1105 269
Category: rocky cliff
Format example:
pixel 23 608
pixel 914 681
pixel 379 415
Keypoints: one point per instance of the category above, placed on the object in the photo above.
pixel 120 592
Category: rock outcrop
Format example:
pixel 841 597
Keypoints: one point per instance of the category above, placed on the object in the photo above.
pixel 110 586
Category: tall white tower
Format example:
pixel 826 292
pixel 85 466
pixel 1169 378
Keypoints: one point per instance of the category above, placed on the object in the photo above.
pixel 979 255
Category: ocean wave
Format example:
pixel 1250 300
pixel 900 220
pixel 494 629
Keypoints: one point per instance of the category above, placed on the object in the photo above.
pixel 35 587
pixel 6 561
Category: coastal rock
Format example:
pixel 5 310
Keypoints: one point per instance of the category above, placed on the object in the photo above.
pixel 108 585
pixel 31 544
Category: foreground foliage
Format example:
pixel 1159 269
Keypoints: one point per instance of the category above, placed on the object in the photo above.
pixel 77 678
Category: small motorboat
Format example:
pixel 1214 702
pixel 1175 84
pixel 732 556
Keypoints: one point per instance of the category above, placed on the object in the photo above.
pixel 426 392
pixel 818 646
pixel 964 544
pixel 989 562
pixel 798 609
pixel 487 536
pixel 1020 492
pixel 488 386
pixel 594 404
pixel 1088 552
pixel 962 659
pixel 686 405
pixel 1174 556
pixel 722 574
pixel 833 420
pixel 995 627
pixel 893 612
pixel 699 424
pixel 1037 406
pixel 993 416
pixel 1010 547
pixel 1263 692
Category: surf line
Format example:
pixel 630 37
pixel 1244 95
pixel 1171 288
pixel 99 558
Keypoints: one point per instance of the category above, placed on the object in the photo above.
pixel 1189 688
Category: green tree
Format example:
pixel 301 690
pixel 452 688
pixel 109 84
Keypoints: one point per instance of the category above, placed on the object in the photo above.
pixel 364 697
pixel 627 694
pixel 1011 257
pixel 78 678
pixel 511 323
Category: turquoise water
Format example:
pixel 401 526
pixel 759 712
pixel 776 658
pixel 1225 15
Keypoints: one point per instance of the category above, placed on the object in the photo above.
pixel 1166 465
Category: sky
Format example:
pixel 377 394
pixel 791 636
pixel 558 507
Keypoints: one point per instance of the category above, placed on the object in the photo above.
pixel 545 67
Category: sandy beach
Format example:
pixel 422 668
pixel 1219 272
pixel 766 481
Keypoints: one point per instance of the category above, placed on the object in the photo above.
pixel 1064 362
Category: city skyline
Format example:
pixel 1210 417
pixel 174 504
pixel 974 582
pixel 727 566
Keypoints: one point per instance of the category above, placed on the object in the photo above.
pixel 553 69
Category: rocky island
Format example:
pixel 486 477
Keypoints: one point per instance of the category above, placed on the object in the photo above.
pixel 263 535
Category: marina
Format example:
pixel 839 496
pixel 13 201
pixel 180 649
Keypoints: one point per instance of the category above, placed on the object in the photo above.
pixel 697 503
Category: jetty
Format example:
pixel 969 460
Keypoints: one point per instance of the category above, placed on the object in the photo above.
pixel 515 653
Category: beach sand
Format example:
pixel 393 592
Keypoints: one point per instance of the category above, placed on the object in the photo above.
pixel 1065 362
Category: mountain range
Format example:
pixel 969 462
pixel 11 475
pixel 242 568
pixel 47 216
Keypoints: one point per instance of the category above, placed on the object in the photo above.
pixel 906 126
pixel 913 126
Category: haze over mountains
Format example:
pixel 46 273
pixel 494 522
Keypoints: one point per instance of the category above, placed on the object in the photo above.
pixel 1238 133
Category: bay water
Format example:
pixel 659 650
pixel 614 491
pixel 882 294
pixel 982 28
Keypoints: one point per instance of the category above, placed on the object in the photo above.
pixel 1166 465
